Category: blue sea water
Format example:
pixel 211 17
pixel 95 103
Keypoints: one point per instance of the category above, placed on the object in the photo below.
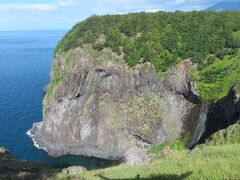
pixel 25 61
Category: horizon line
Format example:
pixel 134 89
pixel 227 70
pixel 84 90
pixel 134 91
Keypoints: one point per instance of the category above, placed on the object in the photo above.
pixel 25 30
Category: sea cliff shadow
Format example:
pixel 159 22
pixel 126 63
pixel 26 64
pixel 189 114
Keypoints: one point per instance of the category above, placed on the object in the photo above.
pixel 154 177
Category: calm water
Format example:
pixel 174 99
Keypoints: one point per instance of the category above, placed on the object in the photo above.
pixel 25 61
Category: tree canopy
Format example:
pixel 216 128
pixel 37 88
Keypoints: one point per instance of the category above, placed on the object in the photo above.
pixel 165 38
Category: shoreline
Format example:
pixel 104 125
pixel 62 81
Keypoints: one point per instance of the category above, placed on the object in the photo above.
pixel 61 151
pixel 31 135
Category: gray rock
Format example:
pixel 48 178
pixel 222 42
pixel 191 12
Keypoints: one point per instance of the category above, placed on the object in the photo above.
pixel 74 170
pixel 102 109
pixel 136 156
pixel 45 89
pixel 217 116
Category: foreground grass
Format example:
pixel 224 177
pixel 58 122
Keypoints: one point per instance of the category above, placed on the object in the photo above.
pixel 206 162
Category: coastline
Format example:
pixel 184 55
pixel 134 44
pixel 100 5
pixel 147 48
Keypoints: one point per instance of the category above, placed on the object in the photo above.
pixel 55 150
pixel 31 135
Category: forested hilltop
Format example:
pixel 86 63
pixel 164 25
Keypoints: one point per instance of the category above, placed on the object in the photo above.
pixel 211 39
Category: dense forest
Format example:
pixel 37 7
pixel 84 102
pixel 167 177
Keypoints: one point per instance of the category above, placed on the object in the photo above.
pixel 210 39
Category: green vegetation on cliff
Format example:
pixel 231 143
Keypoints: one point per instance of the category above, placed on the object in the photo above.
pixel 211 39
pixel 231 135
pixel 207 162
pixel 57 77
pixel 215 80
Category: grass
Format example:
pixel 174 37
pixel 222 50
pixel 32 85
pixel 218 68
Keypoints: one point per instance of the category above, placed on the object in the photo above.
pixel 215 81
pixel 156 149
pixel 58 76
pixel 178 145
pixel 230 135
pixel 204 162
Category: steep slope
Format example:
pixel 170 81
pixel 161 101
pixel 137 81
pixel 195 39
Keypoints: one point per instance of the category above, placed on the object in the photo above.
pixel 197 164
pixel 217 116
pixel 119 82
pixel 163 39
pixel 103 109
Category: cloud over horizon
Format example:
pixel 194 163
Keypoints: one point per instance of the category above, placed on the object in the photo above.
pixel 62 14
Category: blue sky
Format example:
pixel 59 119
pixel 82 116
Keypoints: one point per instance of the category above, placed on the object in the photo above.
pixel 63 14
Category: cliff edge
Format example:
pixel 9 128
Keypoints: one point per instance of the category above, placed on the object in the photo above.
pixel 98 106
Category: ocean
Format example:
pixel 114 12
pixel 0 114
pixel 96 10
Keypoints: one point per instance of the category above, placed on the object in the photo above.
pixel 25 62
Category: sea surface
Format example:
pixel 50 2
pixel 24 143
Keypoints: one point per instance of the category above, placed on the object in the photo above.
pixel 25 62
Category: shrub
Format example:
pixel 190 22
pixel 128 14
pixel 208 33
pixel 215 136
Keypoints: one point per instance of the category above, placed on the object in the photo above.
pixel 231 135
pixel 156 149
pixel 178 145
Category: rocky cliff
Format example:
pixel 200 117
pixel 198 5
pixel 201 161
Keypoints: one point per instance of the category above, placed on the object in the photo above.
pixel 97 106
pixel 217 116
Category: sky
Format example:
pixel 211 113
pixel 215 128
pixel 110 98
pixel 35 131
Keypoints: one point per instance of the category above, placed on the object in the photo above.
pixel 63 14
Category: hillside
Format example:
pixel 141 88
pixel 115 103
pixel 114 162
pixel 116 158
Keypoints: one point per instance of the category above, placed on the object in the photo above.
pixel 123 84
pixel 142 89
pixel 226 5
pixel 211 39
pixel 126 82
pixel 213 162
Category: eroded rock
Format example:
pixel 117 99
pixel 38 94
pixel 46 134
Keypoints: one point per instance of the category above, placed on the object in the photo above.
pixel 101 108
pixel 74 170
pixel 136 156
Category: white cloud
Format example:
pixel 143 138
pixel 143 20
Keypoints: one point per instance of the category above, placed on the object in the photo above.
pixel 62 14
pixel 36 6
pixel 96 6
pixel 39 7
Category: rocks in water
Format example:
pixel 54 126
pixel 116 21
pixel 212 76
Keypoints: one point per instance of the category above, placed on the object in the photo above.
pixel 74 170
pixel 136 156
pixel 102 109
pixel 3 150
pixel 45 89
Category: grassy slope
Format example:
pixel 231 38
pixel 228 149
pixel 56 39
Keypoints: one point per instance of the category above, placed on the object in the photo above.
pixel 214 81
pixel 207 162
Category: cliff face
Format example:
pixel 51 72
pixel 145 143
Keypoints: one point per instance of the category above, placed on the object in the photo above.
pixel 98 106
pixel 217 116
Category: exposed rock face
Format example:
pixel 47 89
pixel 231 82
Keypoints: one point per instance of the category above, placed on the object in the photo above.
pixel 102 109
pixel 217 116
pixel 136 156
pixel 74 170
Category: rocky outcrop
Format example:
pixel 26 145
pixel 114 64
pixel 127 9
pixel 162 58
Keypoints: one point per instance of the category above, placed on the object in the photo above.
pixel 136 156
pixel 217 116
pixel 73 170
pixel 99 107
pixel 11 168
